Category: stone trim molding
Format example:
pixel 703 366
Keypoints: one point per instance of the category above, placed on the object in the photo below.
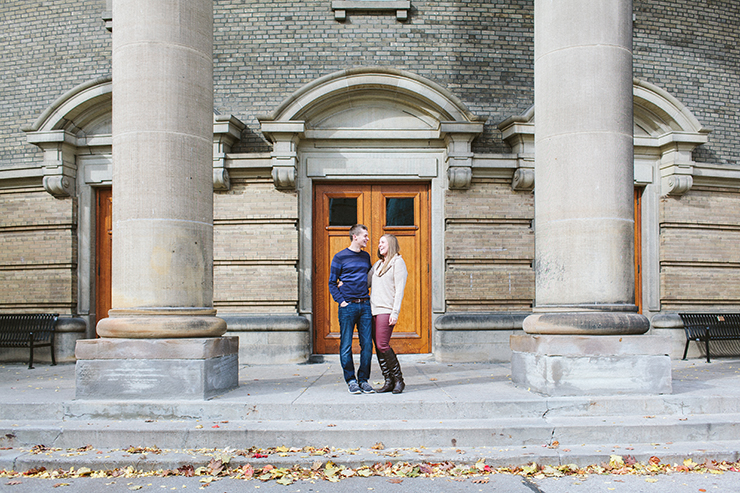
pixel 481 321
pixel 266 323
pixel 401 8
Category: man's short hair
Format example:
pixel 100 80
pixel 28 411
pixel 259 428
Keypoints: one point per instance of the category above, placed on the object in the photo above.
pixel 355 230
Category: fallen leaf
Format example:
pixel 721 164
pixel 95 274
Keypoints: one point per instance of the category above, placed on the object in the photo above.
pixel 481 480
pixel 13 483
pixel 58 485
pixel 378 446
pixel 395 481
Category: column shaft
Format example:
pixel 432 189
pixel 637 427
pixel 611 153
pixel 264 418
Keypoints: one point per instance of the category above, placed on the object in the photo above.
pixel 584 158
pixel 162 279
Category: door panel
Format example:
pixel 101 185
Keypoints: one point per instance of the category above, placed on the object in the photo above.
pixel 401 210
pixel 103 248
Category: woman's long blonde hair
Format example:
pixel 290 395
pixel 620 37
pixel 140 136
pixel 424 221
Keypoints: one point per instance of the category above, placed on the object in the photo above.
pixel 393 250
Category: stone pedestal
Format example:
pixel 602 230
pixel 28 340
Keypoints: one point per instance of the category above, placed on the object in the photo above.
pixel 563 365
pixel 156 369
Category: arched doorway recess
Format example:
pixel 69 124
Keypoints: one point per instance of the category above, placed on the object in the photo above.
pixel 371 127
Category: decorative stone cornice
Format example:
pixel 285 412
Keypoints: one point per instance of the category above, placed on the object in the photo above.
pixel 284 137
pixel 518 132
pixel 523 180
pixel 458 136
pixel 59 164
pixel 227 130
pixel 676 163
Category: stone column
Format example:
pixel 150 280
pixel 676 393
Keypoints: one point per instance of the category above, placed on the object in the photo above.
pixel 584 223
pixel 162 279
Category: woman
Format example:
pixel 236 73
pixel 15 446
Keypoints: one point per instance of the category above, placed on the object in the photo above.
pixel 388 280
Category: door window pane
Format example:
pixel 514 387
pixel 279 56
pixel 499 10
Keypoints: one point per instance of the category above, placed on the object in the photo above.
pixel 399 211
pixel 342 212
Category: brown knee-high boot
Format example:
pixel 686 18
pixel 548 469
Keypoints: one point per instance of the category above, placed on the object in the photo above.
pixel 395 371
pixel 384 364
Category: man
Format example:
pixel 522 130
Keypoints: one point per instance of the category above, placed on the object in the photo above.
pixel 348 287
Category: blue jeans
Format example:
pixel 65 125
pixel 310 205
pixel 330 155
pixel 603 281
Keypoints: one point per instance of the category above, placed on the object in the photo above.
pixel 356 314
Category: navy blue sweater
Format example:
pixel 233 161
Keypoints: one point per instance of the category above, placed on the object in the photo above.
pixel 351 268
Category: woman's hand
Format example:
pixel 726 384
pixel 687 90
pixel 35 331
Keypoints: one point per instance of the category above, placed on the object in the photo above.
pixel 392 320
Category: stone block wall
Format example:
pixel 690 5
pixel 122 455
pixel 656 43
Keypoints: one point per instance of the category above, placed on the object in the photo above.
pixel 255 249
pixel 699 254
pixel 489 248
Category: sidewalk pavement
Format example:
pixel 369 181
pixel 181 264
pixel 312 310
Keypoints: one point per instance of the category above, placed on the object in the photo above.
pixel 301 413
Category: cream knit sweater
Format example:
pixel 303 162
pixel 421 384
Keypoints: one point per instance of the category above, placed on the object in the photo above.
pixel 386 294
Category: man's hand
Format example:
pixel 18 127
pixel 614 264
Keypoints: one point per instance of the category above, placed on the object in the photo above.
pixel 343 304
pixel 392 320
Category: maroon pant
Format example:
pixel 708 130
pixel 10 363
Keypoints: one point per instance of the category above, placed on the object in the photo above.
pixel 382 332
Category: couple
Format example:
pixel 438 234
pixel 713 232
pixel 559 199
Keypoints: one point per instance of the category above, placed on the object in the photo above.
pixel 374 314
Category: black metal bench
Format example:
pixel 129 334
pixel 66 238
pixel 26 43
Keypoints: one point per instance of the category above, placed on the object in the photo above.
pixel 28 330
pixel 710 327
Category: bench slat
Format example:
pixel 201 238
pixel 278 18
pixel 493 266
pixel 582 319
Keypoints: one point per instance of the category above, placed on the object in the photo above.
pixel 705 327
pixel 28 330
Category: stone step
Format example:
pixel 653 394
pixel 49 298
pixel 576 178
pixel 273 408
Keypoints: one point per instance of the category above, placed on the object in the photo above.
pixel 369 407
pixel 582 455
pixel 500 432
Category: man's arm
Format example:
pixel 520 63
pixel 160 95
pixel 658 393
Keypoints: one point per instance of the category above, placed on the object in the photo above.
pixel 334 275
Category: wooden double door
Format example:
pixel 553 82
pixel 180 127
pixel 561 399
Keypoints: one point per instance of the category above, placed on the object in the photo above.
pixel 398 209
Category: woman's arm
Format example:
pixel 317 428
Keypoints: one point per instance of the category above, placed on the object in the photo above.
pixel 400 274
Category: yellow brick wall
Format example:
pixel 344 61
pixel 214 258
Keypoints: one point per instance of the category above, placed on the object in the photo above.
pixel 700 251
pixel 255 249
pixel 38 257
pixel 489 248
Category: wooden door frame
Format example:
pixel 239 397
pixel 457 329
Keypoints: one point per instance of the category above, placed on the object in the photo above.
pixel 425 217
pixel 102 278
pixel 638 247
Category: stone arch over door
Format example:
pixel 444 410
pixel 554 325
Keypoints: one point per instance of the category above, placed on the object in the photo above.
pixel 371 125
pixel 371 105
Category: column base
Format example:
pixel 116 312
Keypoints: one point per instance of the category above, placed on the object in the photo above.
pixel 570 365
pixel 156 369
pixel 161 323
pixel 586 323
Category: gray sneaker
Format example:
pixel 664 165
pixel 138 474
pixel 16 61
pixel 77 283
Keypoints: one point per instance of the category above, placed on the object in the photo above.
pixel 354 388
pixel 366 388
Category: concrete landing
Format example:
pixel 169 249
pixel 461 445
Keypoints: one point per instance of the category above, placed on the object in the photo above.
pixel 446 409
